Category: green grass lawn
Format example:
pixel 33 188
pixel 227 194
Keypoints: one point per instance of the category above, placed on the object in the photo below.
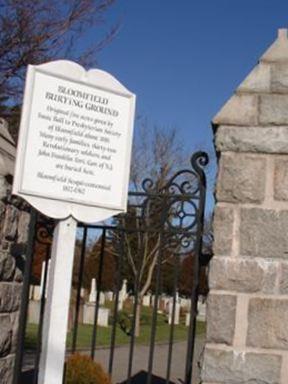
pixel 104 333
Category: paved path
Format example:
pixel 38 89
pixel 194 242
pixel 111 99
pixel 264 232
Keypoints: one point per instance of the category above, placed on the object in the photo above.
pixel 140 361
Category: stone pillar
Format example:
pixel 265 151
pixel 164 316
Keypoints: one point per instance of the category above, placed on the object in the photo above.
pixel 14 222
pixel 247 314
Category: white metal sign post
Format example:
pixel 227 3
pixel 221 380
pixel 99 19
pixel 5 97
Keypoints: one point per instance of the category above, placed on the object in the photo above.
pixel 73 161
pixel 57 304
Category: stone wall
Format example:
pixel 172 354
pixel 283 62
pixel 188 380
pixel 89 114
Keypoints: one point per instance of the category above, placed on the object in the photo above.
pixel 14 221
pixel 247 321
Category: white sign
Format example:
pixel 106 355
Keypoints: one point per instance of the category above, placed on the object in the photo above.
pixel 75 142
pixel 73 161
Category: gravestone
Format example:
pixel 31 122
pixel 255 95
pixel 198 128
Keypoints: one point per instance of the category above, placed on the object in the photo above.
pixel 101 298
pixel 120 304
pixel 82 293
pixel 34 311
pixel 37 293
pixel 109 296
pixel 146 301
pixel 93 291
pixel 187 319
pixel 201 308
pixel 123 292
pixel 166 301
pixel 176 313
pixel 89 315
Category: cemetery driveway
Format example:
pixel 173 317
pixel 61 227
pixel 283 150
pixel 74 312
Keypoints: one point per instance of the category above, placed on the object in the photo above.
pixel 140 361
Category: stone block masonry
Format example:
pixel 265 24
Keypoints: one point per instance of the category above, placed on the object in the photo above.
pixel 14 222
pixel 247 330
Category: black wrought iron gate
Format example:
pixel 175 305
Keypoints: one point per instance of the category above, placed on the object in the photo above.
pixel 146 247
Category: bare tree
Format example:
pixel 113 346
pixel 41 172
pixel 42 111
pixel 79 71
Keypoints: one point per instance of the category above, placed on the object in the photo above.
pixel 33 32
pixel 157 155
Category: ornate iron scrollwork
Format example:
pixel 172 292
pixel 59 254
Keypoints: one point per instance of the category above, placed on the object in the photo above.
pixel 44 230
pixel 173 209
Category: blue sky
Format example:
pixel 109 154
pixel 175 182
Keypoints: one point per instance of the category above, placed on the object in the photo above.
pixel 184 58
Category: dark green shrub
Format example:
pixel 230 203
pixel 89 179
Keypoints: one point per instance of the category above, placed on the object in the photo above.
pixel 125 322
